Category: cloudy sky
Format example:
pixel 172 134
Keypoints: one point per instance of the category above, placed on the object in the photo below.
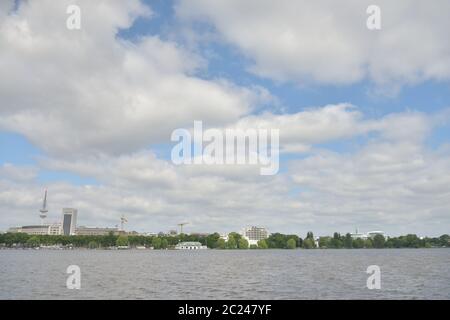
pixel 364 115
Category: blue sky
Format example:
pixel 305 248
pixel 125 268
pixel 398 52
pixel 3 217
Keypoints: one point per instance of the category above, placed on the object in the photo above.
pixel 389 99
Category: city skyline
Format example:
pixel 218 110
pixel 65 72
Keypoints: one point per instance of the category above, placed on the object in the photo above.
pixel 363 115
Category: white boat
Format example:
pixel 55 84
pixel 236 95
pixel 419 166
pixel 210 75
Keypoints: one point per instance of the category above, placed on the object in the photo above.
pixel 190 246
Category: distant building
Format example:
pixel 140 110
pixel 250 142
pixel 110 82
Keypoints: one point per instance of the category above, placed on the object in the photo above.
pixel 358 235
pixel 368 235
pixel 372 234
pixel 89 231
pixel 199 234
pixel 254 234
pixel 69 222
pixel 55 229
pixel 37 230
pixel 190 246
pixel 15 229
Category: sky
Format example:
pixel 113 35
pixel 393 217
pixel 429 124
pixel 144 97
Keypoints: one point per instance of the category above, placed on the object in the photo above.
pixel 364 115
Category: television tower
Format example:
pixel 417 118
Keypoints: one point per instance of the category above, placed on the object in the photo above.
pixel 44 210
pixel 181 226
pixel 122 221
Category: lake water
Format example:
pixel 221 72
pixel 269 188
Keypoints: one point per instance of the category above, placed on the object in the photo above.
pixel 215 274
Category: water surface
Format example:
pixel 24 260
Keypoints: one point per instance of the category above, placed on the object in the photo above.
pixel 222 274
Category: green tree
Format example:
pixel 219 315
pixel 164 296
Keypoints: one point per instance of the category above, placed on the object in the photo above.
pixel 444 240
pixel 262 244
pixel 221 244
pixel 308 243
pixel 368 243
pixel 291 244
pixel 348 241
pixel 156 243
pixel 122 241
pixel 164 243
pixel 378 241
pixel 33 242
pixel 231 243
pixel 235 235
pixel 93 245
pixel 358 243
pixel 336 241
pixel 324 242
pixel 211 240
pixel 243 243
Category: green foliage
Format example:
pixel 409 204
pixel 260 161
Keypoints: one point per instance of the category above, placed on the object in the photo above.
pixel 33 242
pixel 262 244
pixel 276 240
pixel 156 243
pixel 291 244
pixel 93 245
pixel 348 241
pixel 122 241
pixel 212 240
pixel 221 244
pixel 164 244
pixel 324 242
pixel 308 243
pixel 279 241
pixel 368 243
pixel 231 243
pixel 358 243
pixel 378 241
pixel 242 243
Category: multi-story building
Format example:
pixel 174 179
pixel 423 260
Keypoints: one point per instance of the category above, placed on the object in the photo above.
pixel 69 221
pixel 52 229
pixel 35 230
pixel 88 231
pixel 368 235
pixel 55 229
pixel 254 234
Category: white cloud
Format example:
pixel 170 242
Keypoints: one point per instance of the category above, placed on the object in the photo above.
pixel 327 41
pixel 88 91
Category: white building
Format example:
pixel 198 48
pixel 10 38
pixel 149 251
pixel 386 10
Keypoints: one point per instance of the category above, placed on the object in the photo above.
pixel 89 231
pixel 190 246
pixel 254 234
pixel 37 230
pixel 365 236
pixel 55 229
pixel 69 221
pixel 372 234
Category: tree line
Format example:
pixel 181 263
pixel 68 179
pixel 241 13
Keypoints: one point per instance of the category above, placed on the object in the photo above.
pixel 234 241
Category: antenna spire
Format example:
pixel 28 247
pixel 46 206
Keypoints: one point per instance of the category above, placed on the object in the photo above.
pixel 43 210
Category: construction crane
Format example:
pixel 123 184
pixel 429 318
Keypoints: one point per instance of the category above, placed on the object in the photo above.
pixel 123 220
pixel 44 209
pixel 181 226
